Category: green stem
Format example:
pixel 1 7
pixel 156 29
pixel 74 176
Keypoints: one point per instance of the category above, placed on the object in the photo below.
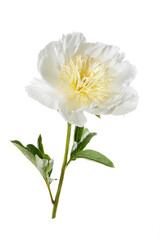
pixel 68 162
pixel 62 171
pixel 50 193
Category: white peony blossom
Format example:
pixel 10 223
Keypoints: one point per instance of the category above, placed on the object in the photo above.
pixel 77 76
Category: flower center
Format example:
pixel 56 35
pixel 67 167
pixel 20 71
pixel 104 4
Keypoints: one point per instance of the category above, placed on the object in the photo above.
pixel 86 79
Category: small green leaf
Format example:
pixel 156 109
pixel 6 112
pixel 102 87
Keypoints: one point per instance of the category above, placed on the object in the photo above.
pixel 46 156
pixel 78 133
pixel 40 145
pixel 99 116
pixel 31 148
pixel 41 149
pixel 95 156
pixel 86 140
pixel 44 166
pixel 43 163
pixel 16 142
pixel 79 146
pixel 25 151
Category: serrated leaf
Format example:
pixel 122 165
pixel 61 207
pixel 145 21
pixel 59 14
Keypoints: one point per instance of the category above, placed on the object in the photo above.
pixel 40 145
pixel 95 156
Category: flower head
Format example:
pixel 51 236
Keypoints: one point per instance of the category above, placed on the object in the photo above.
pixel 77 76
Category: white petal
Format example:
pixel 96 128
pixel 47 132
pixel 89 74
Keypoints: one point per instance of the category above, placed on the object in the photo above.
pixel 118 104
pixel 50 60
pixel 86 108
pixel 128 97
pixel 66 110
pixel 105 53
pixel 123 73
pixel 91 49
pixel 95 111
pixel 107 106
pixel 70 43
pixel 110 55
pixel 128 103
pixel 44 92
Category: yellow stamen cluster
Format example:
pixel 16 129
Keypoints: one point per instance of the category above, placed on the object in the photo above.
pixel 86 79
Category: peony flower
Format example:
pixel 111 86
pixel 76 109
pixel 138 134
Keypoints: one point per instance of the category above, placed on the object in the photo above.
pixel 78 76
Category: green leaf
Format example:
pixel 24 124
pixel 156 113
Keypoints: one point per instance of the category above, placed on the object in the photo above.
pixel 43 163
pixel 99 116
pixel 46 156
pixel 16 142
pixel 31 148
pixel 40 145
pixel 41 149
pixel 86 140
pixel 78 133
pixel 25 151
pixel 79 146
pixel 95 156
pixel 44 166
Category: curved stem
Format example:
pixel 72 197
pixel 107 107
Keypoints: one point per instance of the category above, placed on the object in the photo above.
pixel 62 171
pixel 50 193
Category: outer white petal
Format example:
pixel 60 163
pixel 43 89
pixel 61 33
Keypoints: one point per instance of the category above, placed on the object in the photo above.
pixel 123 73
pixel 70 44
pixel 122 103
pixel 91 49
pixel 94 104
pixel 110 55
pixel 129 103
pixel 44 92
pixel 50 60
pixel 107 106
pixel 57 53
pixel 105 53
pixel 66 110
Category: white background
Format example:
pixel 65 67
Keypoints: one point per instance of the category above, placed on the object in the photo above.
pixel 96 202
